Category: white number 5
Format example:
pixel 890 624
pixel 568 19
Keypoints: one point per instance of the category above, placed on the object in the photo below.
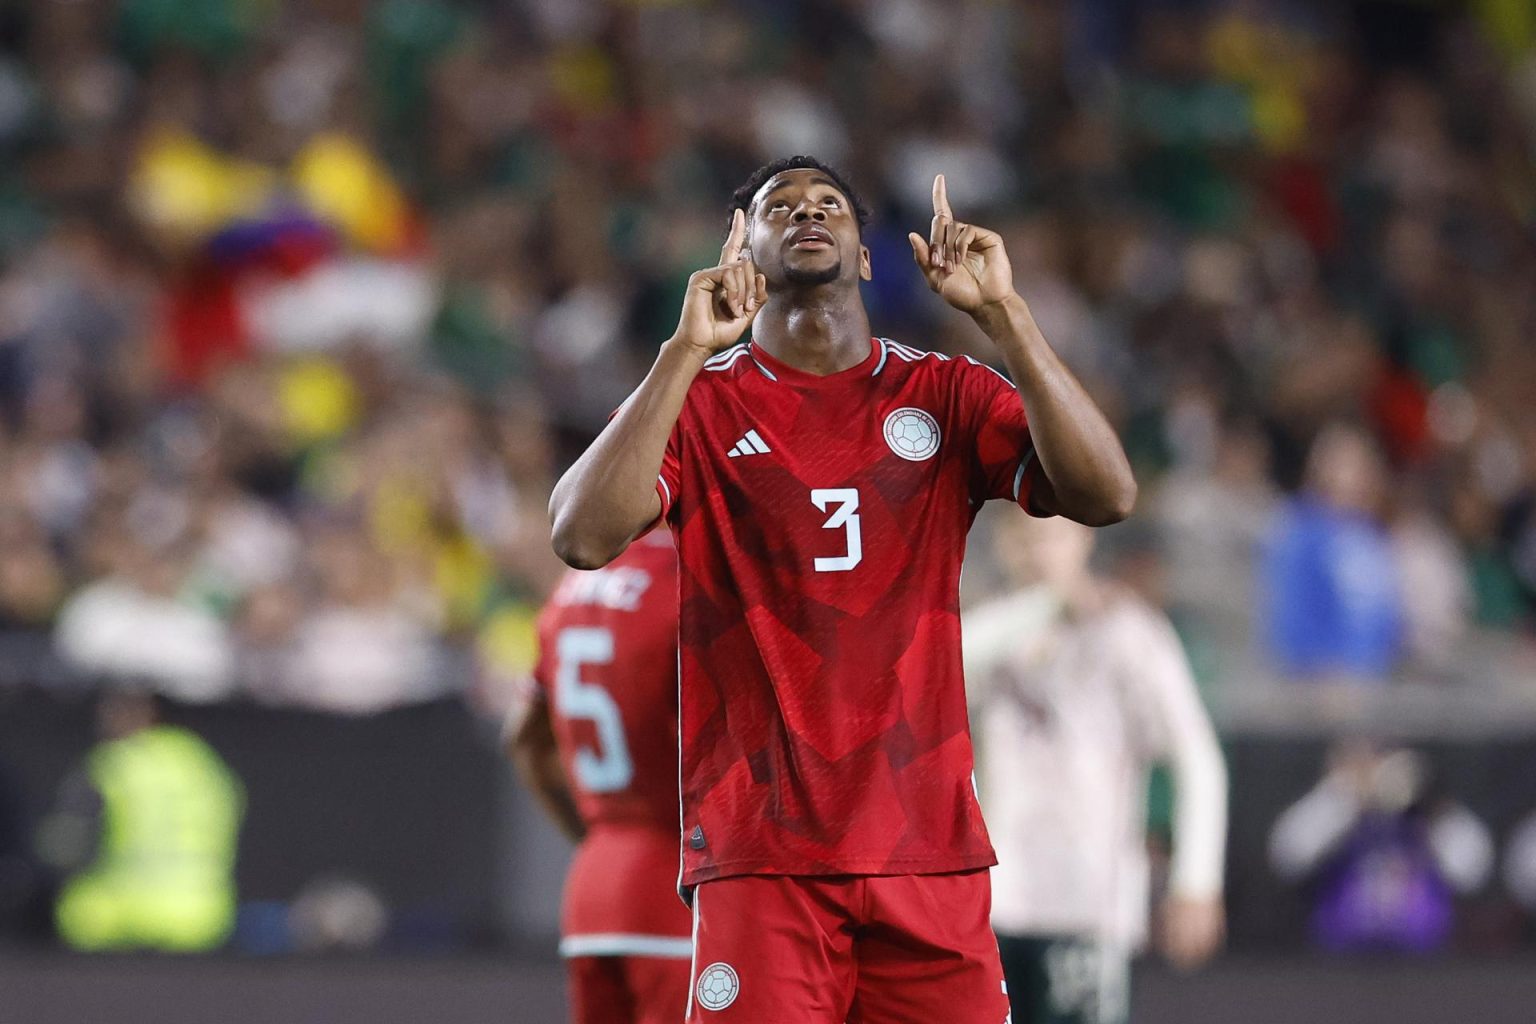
pixel 609 768
pixel 845 517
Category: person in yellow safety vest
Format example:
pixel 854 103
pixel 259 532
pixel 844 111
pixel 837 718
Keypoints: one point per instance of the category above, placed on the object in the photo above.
pixel 165 812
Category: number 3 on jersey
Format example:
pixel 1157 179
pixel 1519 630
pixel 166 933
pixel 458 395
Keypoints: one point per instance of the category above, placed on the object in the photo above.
pixel 846 517
pixel 609 768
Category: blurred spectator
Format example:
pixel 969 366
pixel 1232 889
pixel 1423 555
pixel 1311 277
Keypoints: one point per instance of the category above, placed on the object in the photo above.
pixel 361 648
pixel 334 913
pixel 31 579
pixel 1520 864
pixel 263 631
pixel 1076 679
pixel 391 263
pixel 146 830
pixel 1211 512
pixel 1332 590
pixel 304 305
pixel 1436 588
pixel 133 627
pixel 1385 856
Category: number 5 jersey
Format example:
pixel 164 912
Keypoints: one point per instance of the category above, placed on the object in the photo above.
pixel 608 670
pixel 820 523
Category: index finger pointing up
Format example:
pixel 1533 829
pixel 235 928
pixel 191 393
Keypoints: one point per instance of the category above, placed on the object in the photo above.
pixel 941 198
pixel 731 251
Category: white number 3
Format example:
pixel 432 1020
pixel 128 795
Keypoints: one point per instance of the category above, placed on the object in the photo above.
pixel 845 517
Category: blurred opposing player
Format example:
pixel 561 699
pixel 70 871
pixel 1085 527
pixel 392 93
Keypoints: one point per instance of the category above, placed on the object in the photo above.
pixel 597 742
pixel 820 483
pixel 1079 687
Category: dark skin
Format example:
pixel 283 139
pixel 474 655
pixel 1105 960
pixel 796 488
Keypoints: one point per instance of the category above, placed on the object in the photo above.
pixel 536 756
pixel 790 269
pixel 803 237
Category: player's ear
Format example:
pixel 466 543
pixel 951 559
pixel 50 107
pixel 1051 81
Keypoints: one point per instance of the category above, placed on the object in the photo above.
pixel 866 272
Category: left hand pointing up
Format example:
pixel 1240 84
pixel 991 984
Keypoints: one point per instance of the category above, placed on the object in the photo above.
pixel 964 263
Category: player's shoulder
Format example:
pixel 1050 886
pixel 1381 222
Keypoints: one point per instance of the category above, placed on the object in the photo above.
pixel 728 365
pixel 900 357
pixel 912 360
pixel 717 384
pixel 722 383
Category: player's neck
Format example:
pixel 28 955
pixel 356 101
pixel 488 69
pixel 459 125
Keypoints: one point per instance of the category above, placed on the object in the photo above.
pixel 819 332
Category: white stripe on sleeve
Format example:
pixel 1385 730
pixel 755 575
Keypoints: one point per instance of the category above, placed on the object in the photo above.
pixel 662 947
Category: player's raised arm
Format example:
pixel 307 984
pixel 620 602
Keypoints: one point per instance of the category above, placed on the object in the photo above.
pixel 608 496
pixel 1086 474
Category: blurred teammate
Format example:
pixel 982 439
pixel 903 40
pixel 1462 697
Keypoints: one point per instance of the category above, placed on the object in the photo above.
pixel 597 742
pixel 1079 687
pixel 820 483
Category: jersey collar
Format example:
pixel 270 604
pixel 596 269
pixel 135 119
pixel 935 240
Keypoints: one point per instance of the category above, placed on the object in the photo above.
pixel 775 369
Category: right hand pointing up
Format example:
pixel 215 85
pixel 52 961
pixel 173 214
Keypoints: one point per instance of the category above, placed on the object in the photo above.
pixel 723 300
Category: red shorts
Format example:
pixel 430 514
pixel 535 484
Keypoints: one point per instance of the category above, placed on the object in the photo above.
pixel 903 949
pixel 626 989
pixel 624 933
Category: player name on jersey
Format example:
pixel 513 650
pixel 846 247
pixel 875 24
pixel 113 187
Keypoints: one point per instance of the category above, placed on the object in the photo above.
pixel 619 588
pixel 608 667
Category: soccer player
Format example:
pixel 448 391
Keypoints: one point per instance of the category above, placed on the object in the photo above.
pixel 1078 687
pixel 820 483
pixel 597 742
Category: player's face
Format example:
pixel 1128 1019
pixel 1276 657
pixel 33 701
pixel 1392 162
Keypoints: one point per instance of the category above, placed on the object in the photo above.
pixel 804 232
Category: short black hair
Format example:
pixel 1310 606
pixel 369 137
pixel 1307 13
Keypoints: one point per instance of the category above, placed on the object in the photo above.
pixel 741 199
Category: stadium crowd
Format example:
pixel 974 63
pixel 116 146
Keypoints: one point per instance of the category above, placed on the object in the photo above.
pixel 303 305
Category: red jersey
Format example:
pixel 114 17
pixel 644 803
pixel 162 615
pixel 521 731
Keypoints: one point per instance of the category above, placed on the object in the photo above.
pixel 608 667
pixel 821 524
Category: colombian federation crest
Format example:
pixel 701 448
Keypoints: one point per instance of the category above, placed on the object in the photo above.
pixel 912 433
pixel 718 986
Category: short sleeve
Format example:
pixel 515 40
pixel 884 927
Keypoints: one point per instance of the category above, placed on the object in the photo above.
pixel 669 479
pixel 1003 455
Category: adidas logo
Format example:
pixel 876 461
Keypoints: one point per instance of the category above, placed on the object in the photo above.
pixel 752 444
